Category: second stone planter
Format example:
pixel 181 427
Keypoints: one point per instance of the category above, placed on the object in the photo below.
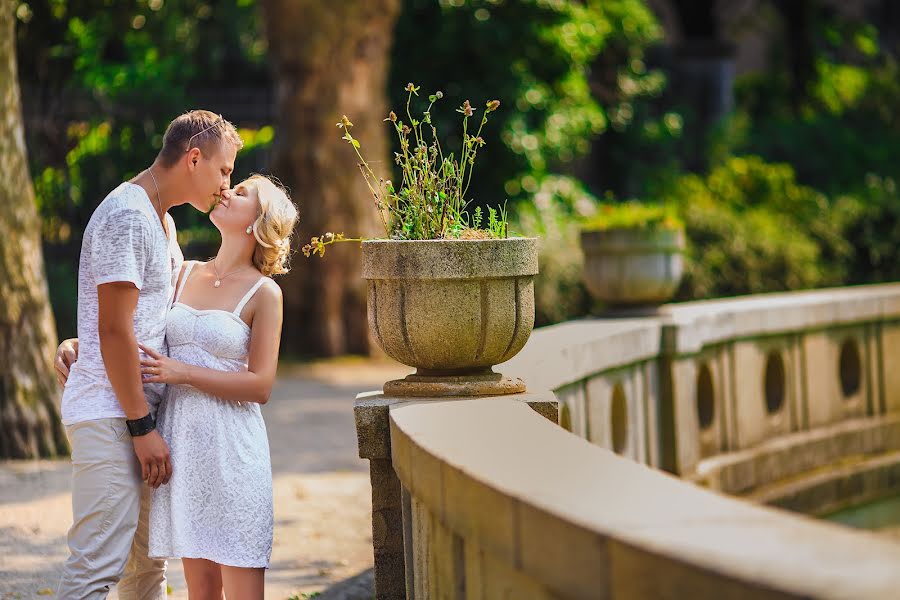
pixel 633 267
pixel 452 309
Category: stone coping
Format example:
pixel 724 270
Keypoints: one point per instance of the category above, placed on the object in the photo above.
pixel 585 522
pixel 371 409
pixel 802 452
pixel 569 352
pixel 559 355
pixel 698 324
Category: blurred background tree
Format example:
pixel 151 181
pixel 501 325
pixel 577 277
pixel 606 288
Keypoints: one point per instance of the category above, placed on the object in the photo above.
pixel 329 59
pixel 29 421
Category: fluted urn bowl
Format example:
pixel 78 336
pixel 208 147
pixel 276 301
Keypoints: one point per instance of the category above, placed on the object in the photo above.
pixel 452 309
pixel 633 267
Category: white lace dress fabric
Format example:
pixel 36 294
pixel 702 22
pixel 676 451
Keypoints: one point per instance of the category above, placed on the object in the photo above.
pixel 218 503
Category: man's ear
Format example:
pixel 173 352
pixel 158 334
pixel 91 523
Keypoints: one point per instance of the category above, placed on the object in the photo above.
pixel 193 157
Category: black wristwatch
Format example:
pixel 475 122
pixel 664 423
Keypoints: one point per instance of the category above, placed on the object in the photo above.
pixel 142 426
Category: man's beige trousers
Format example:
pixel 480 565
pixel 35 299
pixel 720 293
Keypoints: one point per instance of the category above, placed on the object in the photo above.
pixel 111 510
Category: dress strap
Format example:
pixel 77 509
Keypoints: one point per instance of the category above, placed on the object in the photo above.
pixel 184 277
pixel 249 295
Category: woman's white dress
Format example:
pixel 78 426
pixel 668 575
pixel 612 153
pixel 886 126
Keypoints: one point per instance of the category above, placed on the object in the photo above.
pixel 218 503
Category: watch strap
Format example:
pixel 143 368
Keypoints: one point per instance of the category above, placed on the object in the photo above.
pixel 142 426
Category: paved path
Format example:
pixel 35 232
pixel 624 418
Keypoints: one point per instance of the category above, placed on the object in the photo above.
pixel 322 493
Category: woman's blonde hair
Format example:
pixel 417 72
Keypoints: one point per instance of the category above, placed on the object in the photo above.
pixel 273 226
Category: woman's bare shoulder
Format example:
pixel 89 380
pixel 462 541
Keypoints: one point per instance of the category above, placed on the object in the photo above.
pixel 268 295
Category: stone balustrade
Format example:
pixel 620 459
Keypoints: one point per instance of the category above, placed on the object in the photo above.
pixel 781 398
pixel 704 379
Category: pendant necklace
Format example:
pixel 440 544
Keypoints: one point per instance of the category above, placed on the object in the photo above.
pixel 219 279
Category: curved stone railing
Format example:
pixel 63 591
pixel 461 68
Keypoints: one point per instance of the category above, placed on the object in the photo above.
pixel 713 390
pixel 500 503
pixel 780 398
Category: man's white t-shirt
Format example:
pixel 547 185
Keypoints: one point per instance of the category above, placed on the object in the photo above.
pixel 123 241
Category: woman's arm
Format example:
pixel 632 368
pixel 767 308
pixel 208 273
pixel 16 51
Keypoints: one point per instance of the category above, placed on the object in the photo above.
pixel 252 385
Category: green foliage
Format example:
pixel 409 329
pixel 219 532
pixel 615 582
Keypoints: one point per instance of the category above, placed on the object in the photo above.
pixel 874 230
pixel 835 128
pixel 568 71
pixel 835 125
pixel 732 253
pixel 832 152
pixel 476 218
pixel 752 228
pixel 498 222
pixel 633 215
pixel 127 68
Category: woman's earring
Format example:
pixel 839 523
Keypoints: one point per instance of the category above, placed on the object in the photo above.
pixel 249 229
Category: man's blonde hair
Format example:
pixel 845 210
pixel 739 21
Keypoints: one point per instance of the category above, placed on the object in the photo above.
pixel 197 129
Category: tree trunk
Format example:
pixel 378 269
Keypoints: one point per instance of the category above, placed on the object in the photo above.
pixel 29 418
pixel 330 58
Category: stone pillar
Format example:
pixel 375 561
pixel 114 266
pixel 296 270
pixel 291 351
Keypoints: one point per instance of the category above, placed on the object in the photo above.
pixel 387 530
pixel 373 433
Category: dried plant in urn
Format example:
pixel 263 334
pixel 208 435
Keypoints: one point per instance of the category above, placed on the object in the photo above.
pixel 449 291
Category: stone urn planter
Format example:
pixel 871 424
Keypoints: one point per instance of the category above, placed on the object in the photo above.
pixel 633 267
pixel 452 309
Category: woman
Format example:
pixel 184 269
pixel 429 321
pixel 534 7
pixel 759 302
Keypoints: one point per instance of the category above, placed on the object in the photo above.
pixel 223 334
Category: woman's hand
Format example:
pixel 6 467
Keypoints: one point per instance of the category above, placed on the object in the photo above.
pixel 162 369
pixel 66 355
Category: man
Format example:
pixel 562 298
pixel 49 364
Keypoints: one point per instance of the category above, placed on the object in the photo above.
pixel 129 263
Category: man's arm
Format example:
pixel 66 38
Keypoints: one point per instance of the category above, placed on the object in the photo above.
pixel 66 355
pixel 118 347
